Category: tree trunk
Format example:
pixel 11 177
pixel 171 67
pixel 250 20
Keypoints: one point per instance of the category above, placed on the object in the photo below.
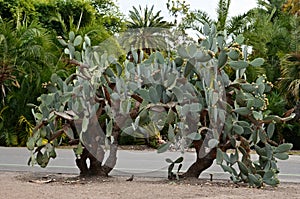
pixel 81 163
pixel 200 165
pixel 204 159
pixel 96 157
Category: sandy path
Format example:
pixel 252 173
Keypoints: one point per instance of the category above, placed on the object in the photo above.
pixel 18 186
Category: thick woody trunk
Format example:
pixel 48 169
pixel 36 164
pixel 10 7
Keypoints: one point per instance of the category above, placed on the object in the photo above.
pixel 205 159
pixel 202 162
pixel 200 165
pixel 96 157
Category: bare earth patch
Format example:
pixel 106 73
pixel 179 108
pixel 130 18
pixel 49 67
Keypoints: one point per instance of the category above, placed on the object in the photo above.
pixel 61 186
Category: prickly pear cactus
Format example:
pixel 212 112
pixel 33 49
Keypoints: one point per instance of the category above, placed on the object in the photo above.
pixel 189 98
pixel 73 106
pixel 192 98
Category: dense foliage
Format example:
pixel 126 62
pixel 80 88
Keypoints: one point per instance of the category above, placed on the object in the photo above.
pixel 30 52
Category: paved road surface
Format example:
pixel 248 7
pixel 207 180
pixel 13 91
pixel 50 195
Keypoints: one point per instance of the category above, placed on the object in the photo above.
pixel 139 163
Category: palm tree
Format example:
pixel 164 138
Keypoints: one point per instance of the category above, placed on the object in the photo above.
pixel 147 31
pixel 272 34
pixel 197 18
pixel 146 18
pixel 26 61
pixel 289 83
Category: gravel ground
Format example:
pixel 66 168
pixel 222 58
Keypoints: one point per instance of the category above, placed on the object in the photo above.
pixel 16 185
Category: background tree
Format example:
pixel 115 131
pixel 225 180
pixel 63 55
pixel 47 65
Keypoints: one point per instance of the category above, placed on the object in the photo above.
pixel 26 55
pixel 109 15
pixel 275 40
pixel 148 31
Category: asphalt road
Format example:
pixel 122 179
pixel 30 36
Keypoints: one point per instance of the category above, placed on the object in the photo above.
pixel 139 163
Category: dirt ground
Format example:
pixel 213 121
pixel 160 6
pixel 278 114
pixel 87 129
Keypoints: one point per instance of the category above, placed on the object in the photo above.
pixel 40 185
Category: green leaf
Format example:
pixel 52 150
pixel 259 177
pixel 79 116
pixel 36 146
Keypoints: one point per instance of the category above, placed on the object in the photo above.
pixel 212 143
pixel 269 150
pixel 219 157
pixel 153 95
pixel 78 40
pixel 257 62
pixel 238 129
pixel 179 160
pixel 79 149
pixel 62 42
pixel 234 157
pixel 170 168
pixel 261 88
pixel 109 128
pixel 248 87
pixel 243 168
pixel 188 69
pixel 242 111
pixel 254 180
pixel 235 179
pixel 257 103
pixel 243 124
pixel 71 50
pixel 178 61
pixel 183 52
pixel 192 49
pixel 87 40
pixel 227 169
pixel 77 56
pixel 226 157
pixel 222 59
pixel 178 93
pixel 39 142
pixel 39 158
pixel 283 148
pixel 281 156
pixel 270 130
pixel 171 135
pixel 159 58
pixel 206 29
pixel 215 98
pixel 52 154
pixel 239 39
pixel 238 64
pixel 145 94
pixel 234 55
pixel 220 41
pixel 30 143
pixel 64 115
pixel 45 159
pixel 71 36
pixel 85 124
pixel 257 115
pixel 262 136
pixel 203 56
pixel 171 116
pixel 194 136
pixel 260 151
pixel 163 148
pixel 272 181
pixel 119 69
pixel 179 167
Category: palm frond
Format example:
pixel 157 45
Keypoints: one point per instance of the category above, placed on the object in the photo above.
pixel 289 83
pixel 222 11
